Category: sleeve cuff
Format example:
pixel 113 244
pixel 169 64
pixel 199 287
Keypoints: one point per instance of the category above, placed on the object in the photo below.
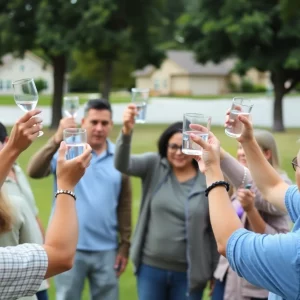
pixel 288 203
pixel 126 139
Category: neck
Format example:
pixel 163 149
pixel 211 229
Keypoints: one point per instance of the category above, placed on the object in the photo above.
pixel 100 149
pixel 184 174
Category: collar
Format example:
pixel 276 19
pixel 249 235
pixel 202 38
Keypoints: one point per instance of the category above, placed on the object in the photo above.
pixel 110 149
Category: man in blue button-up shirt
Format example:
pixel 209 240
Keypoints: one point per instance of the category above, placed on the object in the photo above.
pixel 269 261
pixel 104 209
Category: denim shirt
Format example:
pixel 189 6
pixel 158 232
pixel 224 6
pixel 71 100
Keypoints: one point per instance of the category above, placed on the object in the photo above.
pixel 270 261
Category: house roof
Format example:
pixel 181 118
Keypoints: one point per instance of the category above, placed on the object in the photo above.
pixel 187 61
pixel 9 57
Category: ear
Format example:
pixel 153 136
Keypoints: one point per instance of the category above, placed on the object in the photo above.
pixel 82 121
pixel 268 154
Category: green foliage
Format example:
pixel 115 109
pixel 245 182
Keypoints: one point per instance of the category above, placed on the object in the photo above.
pixel 246 86
pixel 255 32
pixel 40 84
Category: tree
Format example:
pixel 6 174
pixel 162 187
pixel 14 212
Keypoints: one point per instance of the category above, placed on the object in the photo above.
pixel 117 29
pixel 256 33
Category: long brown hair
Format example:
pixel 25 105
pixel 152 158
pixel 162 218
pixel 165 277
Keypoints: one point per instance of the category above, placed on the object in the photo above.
pixel 5 215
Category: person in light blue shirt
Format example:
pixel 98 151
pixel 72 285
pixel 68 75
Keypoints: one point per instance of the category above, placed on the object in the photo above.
pixel 104 208
pixel 268 261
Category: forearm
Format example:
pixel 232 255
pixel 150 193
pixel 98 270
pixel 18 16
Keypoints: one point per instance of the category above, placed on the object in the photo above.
pixel 234 171
pixel 39 164
pixel 124 216
pixel 122 154
pixel 223 217
pixel 61 236
pixel 268 181
pixel 257 223
pixel 7 157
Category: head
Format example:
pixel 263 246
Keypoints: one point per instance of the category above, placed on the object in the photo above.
pixel 3 136
pixel 5 215
pixel 267 143
pixel 98 122
pixel 170 144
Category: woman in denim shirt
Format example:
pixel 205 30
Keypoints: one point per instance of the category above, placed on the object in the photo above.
pixel 269 261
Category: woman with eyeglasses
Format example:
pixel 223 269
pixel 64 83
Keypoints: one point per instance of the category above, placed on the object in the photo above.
pixel 269 261
pixel 173 248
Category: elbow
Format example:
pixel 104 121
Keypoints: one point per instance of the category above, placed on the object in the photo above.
pixel 31 173
pixel 67 262
pixel 222 249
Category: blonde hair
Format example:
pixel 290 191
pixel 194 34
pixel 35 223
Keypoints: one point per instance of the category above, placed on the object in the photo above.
pixel 5 215
pixel 266 141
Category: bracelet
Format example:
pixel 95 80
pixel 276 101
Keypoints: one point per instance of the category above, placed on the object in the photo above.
pixel 215 184
pixel 245 175
pixel 67 192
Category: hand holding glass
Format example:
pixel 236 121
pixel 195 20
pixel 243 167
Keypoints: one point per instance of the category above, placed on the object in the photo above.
pixel 239 106
pixel 71 106
pixel 76 140
pixel 140 98
pixel 188 145
pixel 26 95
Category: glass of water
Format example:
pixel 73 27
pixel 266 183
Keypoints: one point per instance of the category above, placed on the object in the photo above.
pixel 71 106
pixel 140 98
pixel 76 140
pixel 188 145
pixel 239 106
pixel 26 95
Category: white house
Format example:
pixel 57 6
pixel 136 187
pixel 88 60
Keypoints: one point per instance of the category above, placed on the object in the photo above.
pixel 31 66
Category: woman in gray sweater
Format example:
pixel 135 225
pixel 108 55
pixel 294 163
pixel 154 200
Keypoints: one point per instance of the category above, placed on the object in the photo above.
pixel 173 249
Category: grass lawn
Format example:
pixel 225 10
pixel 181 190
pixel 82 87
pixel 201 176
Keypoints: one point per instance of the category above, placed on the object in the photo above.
pixel 45 100
pixel 145 137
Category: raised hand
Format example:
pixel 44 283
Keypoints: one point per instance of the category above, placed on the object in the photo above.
pixel 246 198
pixel 25 131
pixel 129 118
pixel 70 171
pixel 211 150
pixel 64 123
pixel 247 132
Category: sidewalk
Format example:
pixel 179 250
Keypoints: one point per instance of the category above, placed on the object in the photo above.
pixel 168 110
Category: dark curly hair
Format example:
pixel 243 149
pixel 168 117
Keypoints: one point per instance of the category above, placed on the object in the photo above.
pixel 163 140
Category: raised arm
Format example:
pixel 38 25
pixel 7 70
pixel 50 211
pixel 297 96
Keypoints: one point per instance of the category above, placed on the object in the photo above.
pixel 135 165
pixel 39 165
pixel 272 187
pixel 62 234
pixel 23 133
pixel 240 176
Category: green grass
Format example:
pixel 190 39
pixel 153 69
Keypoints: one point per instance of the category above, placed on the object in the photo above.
pixel 45 100
pixel 145 137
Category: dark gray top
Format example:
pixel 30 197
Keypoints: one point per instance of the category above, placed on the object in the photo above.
pixel 165 242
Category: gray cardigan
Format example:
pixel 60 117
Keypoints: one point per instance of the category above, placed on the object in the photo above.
pixel 202 255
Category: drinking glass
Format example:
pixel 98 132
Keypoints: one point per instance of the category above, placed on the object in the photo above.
pixel 140 98
pixel 71 106
pixel 188 145
pixel 26 95
pixel 76 140
pixel 239 106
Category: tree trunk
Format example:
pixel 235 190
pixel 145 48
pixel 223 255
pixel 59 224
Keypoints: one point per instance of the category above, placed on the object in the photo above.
pixel 108 73
pixel 279 92
pixel 59 66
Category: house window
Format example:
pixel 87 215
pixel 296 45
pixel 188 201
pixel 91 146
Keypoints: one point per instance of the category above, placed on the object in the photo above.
pixel 165 83
pixel 8 84
pixel 1 86
pixel 22 68
pixel 156 84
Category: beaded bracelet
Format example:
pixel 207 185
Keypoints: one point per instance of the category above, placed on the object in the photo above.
pixel 215 184
pixel 67 192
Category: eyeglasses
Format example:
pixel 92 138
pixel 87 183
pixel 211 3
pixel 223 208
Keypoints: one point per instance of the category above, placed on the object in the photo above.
pixel 175 147
pixel 294 163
